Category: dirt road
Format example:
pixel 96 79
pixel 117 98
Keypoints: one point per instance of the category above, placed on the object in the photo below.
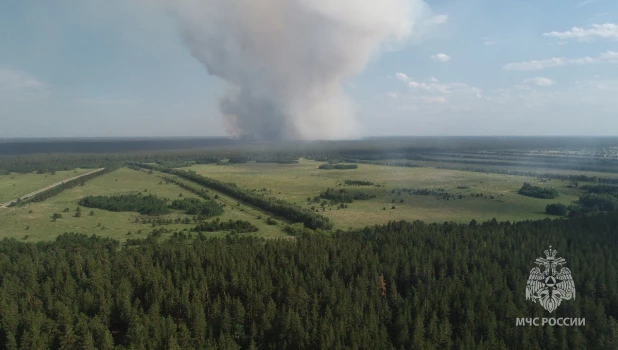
pixel 5 205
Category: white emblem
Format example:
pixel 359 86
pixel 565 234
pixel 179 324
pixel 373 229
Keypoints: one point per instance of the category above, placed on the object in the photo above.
pixel 550 286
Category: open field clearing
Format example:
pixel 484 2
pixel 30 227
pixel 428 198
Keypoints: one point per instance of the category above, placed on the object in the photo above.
pixel 16 185
pixel 37 216
pixel 297 182
pixel 536 170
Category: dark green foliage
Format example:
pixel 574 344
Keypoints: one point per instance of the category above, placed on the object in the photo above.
pixel 238 159
pixel 556 209
pixel 278 207
pixel 598 198
pixel 338 166
pixel 566 177
pixel 145 205
pixel 390 163
pixel 238 226
pixel 277 159
pixel 602 189
pixel 175 164
pixel 193 206
pixel 604 202
pixel 398 286
pixel 193 189
pixel 439 193
pixel 358 183
pixel 345 196
pixel 538 192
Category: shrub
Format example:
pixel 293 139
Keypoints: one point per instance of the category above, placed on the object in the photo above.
pixel 556 209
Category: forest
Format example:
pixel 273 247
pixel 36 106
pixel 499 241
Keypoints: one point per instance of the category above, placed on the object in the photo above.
pixel 152 205
pixel 234 226
pixel 358 183
pixel 345 196
pixel 145 205
pixel 193 206
pixel 403 285
pixel 338 166
pixel 538 192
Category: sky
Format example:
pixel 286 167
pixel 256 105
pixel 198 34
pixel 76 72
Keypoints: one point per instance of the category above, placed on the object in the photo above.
pixel 472 67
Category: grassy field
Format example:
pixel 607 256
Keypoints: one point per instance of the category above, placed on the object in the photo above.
pixel 36 216
pixel 538 170
pixel 291 182
pixel 296 182
pixel 16 185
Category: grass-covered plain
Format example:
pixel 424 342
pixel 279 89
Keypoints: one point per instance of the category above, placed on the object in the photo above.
pixel 16 185
pixel 37 216
pixel 296 182
pixel 291 182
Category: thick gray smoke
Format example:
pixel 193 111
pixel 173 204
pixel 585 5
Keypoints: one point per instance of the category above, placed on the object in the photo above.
pixel 286 61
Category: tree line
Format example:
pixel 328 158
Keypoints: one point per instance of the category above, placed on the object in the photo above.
pixel 598 198
pixel 338 166
pixel 358 183
pixel 216 225
pixel 403 285
pixel 133 202
pixel 568 177
pixel 345 196
pixel 152 205
pixel 538 192
pixel 276 206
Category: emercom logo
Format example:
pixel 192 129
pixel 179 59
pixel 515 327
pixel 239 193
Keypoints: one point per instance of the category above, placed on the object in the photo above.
pixel 549 284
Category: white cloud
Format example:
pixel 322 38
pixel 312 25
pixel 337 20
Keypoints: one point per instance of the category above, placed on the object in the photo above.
pixel 434 87
pixel 402 77
pixel 15 80
pixel 606 31
pixel 440 57
pixel 432 96
pixel 607 57
pixel 392 95
pixel 539 81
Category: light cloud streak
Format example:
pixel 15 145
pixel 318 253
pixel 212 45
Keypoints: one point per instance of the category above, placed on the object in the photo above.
pixel 605 31
pixel 607 57
pixel 440 57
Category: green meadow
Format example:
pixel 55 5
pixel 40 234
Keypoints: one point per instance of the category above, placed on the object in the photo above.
pixel 16 185
pixel 472 195
pixel 297 182
pixel 33 221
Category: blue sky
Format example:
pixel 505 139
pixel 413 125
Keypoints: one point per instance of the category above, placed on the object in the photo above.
pixel 119 68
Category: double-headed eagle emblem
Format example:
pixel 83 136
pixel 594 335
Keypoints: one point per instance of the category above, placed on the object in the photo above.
pixel 550 286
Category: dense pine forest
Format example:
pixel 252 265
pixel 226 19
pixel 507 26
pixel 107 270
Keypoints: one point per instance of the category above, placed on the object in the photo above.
pixel 398 286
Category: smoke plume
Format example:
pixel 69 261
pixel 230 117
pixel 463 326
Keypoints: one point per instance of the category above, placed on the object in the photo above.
pixel 286 61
